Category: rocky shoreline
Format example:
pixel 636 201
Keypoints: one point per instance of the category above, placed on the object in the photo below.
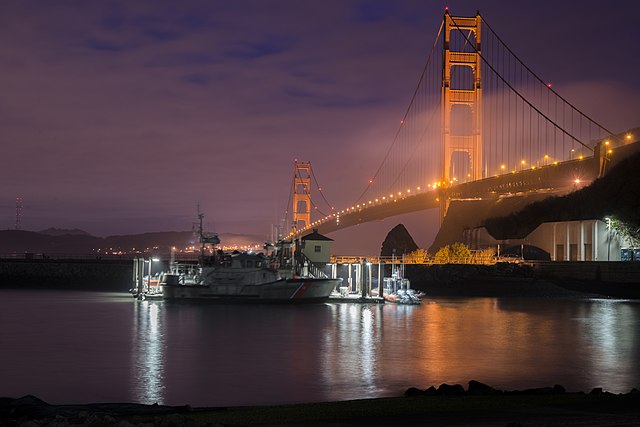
pixel 447 404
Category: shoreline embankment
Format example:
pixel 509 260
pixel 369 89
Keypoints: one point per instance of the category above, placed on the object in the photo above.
pixel 529 279
pixel 447 405
pixel 503 279
pixel 67 274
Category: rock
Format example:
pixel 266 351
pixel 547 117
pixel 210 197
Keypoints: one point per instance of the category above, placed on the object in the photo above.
pixel 29 400
pixel 412 391
pixel 431 391
pixel 451 390
pixel 478 388
pixel 558 389
pixel 398 240
pixel 597 390
pixel 634 392
pixel 539 390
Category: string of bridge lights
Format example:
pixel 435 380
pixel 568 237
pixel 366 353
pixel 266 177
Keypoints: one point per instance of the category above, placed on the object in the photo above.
pixel 400 195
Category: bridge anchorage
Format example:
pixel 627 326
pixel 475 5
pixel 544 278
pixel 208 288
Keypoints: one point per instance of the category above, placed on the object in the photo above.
pixel 480 125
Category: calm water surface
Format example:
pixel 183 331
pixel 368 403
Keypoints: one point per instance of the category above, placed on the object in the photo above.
pixel 72 347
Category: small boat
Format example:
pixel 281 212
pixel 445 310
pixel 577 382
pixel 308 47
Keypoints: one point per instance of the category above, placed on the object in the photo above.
pixel 405 296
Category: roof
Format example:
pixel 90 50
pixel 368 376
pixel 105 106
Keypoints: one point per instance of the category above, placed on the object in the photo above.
pixel 316 236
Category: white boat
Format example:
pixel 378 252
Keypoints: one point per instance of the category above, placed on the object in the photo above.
pixel 244 277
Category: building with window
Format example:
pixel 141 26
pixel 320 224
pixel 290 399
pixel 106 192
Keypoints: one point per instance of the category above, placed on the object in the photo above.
pixel 317 247
pixel 586 240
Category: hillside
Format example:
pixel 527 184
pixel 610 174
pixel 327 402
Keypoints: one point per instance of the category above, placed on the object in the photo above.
pixel 616 194
pixel 79 242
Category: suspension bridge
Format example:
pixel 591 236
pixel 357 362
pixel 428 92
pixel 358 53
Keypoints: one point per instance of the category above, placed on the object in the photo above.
pixel 480 125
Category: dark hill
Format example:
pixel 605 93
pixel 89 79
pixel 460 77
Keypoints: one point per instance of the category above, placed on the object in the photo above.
pixel 20 242
pixel 398 240
pixel 62 232
pixel 616 194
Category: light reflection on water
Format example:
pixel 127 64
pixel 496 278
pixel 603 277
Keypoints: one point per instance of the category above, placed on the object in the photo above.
pixel 83 347
pixel 147 376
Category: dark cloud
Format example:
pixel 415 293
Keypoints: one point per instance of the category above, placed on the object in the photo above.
pixel 258 49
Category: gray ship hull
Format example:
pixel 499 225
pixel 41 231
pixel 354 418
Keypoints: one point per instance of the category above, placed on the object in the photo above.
pixel 281 291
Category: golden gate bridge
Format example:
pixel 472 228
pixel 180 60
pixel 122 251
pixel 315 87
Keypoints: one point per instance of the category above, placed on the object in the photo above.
pixel 480 124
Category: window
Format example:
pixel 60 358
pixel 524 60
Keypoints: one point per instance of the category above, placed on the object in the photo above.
pixel 317 248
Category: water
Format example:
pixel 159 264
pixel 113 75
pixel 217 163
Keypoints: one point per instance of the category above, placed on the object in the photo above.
pixel 72 347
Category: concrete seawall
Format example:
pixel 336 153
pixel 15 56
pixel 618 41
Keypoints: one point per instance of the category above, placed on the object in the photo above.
pixel 615 279
pixel 548 279
pixel 544 279
pixel 104 275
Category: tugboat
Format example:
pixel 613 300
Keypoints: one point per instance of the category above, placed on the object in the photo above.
pixel 247 276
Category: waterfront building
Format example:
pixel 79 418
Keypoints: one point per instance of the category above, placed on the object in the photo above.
pixel 584 240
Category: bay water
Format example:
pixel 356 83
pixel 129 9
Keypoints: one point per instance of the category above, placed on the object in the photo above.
pixel 87 347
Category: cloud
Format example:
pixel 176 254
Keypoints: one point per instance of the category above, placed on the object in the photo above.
pixel 148 107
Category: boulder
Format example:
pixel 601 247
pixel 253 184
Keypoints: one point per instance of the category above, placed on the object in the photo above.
pixel 451 390
pixel 478 388
pixel 412 391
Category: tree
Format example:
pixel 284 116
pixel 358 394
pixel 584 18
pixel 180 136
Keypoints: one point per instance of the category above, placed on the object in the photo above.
pixel 626 231
pixel 419 256
pixel 442 256
pixel 460 253
pixel 456 253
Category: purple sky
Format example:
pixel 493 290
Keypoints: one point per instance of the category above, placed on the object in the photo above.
pixel 118 117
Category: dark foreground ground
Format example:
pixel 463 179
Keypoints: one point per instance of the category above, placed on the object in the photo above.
pixel 511 409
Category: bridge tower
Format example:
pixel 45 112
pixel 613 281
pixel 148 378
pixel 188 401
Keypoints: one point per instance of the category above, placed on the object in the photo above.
pixel 301 195
pixel 461 100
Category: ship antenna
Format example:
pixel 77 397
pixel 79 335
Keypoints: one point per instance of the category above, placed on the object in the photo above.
pixel 201 234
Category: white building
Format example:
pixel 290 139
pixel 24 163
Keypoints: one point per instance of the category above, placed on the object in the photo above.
pixel 317 247
pixel 587 240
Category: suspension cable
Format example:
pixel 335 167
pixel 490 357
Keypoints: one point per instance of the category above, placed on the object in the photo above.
pixel 520 95
pixel 542 81
pixel 313 175
pixel 395 139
